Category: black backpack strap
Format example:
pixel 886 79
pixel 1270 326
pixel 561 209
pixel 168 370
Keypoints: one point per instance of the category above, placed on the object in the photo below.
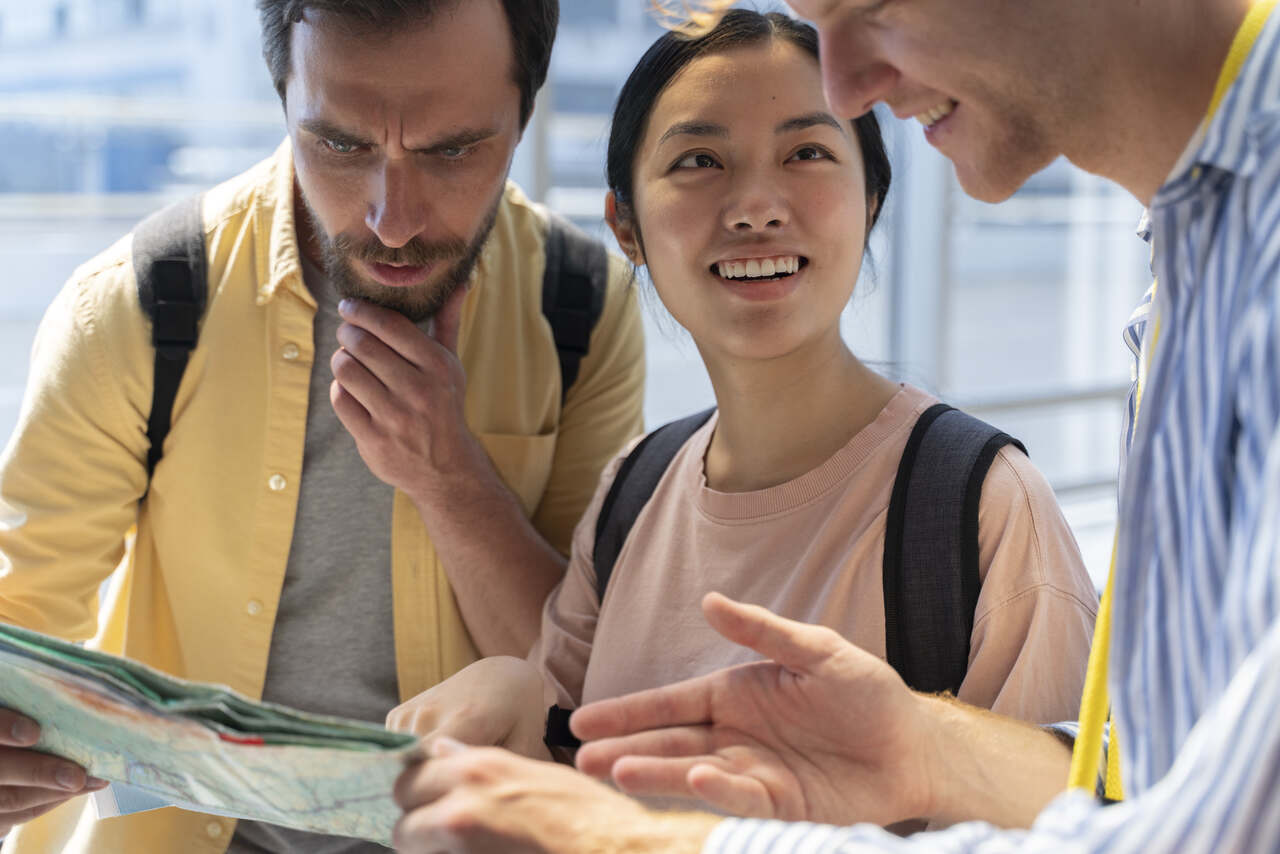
pixel 931 580
pixel 637 477
pixel 573 288
pixel 635 482
pixel 169 264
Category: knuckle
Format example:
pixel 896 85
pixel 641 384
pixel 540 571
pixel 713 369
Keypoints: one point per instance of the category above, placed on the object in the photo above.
pixel 358 340
pixel 402 792
pixel 423 722
pixel 457 818
pixel 342 365
pixel 490 764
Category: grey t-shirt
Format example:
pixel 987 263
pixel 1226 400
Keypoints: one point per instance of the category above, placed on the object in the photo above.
pixel 333 647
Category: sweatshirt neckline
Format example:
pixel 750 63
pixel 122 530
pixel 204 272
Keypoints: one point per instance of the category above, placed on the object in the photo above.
pixel 896 415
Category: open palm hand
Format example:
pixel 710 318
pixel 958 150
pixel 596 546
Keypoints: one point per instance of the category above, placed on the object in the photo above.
pixel 823 731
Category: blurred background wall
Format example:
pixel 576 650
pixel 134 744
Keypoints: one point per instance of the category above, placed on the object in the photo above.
pixel 110 108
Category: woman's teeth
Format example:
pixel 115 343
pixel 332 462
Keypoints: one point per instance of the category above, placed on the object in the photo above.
pixel 758 268
pixel 929 118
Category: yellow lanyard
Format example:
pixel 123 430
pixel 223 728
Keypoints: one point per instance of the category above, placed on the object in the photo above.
pixel 1095 706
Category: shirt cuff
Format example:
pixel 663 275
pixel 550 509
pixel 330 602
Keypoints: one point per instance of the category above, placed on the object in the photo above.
pixel 1065 731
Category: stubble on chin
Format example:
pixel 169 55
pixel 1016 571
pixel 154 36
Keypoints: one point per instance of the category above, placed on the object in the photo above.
pixel 418 303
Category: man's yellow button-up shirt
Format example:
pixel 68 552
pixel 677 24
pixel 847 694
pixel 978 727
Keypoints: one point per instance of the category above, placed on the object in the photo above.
pixel 202 558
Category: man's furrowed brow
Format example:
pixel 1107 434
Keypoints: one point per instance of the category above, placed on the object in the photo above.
pixel 462 138
pixel 328 130
pixel 809 120
pixel 694 129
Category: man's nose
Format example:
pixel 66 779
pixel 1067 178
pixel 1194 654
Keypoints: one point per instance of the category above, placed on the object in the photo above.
pixel 397 213
pixel 852 79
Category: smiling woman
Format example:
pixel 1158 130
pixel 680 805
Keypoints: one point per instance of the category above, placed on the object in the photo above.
pixel 750 205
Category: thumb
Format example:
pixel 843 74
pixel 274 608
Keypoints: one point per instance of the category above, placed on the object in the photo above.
pixel 444 328
pixel 798 647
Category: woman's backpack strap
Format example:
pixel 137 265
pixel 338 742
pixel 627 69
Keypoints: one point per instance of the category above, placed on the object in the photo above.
pixel 931 581
pixel 637 477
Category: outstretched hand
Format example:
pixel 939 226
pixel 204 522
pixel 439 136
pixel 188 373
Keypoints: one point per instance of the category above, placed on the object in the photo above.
pixel 822 731
pixel 400 394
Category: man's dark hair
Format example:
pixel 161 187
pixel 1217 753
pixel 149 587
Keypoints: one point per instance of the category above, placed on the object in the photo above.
pixel 674 50
pixel 532 22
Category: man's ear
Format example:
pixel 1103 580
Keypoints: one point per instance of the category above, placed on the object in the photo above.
pixel 624 229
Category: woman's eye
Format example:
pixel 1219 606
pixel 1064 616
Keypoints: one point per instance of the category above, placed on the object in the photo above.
pixel 811 152
pixel 697 161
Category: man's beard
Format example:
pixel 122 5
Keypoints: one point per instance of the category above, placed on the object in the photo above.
pixel 419 302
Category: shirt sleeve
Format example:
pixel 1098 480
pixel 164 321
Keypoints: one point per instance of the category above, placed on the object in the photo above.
pixel 1219 795
pixel 563 648
pixel 73 471
pixel 1032 628
pixel 603 410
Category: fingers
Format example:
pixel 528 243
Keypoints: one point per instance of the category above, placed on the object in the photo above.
pixel 799 647
pixel 415 717
pixel 19 801
pixel 17 730
pixel 28 768
pixel 424 830
pixel 647 776
pixel 393 376
pixel 368 370
pixel 350 411
pixel 796 646
pixel 387 326
pixel 598 758
pixel 683 703
pixel 735 794
pixel 450 765
pixel 444 747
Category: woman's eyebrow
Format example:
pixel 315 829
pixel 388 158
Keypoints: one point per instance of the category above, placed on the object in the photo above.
pixel 694 129
pixel 809 120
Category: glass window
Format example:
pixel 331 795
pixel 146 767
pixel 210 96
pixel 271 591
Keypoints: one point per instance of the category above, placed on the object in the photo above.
pixel 1012 311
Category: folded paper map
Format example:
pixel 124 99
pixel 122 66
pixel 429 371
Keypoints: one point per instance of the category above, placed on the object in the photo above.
pixel 162 740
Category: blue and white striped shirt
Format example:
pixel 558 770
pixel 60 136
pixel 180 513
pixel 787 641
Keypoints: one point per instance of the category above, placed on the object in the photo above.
pixel 1195 651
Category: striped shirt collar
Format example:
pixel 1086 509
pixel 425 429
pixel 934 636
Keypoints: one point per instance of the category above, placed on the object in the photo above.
pixel 1229 141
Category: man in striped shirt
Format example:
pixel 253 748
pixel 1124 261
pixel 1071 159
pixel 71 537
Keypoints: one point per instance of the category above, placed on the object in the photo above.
pixel 1179 102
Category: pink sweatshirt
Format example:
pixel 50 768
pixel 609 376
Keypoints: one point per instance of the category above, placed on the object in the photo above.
pixel 811 549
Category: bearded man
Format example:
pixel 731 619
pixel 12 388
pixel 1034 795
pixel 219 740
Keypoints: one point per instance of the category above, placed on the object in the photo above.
pixel 375 461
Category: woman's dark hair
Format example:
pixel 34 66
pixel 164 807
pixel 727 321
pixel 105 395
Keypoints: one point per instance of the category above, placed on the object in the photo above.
pixel 533 31
pixel 673 51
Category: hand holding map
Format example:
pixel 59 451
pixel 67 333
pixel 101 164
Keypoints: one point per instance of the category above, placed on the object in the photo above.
pixel 33 783
pixel 203 747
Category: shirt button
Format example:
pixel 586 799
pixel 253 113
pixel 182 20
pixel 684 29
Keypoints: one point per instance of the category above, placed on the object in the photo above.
pixel 290 352
pixel 277 483
pixel 214 829
pixel 254 608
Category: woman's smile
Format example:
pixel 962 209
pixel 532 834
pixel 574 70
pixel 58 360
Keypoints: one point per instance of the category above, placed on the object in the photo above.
pixel 761 278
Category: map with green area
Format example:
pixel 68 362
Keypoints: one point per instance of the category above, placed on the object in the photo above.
pixel 203 747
